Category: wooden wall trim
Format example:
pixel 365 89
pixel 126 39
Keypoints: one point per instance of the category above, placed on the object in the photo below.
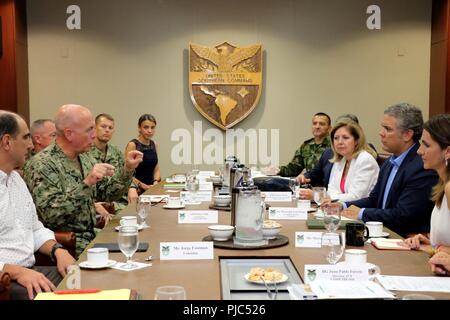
pixel 14 83
pixel 8 96
pixel 440 58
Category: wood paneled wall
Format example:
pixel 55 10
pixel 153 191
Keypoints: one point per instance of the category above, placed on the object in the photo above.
pixel 14 88
pixel 440 58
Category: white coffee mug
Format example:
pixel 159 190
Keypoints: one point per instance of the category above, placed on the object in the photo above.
pixel 303 204
pixel 174 202
pixel 355 256
pixel 128 221
pixel 97 256
pixel 375 228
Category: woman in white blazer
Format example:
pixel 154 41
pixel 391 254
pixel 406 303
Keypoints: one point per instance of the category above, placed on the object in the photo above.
pixel 355 170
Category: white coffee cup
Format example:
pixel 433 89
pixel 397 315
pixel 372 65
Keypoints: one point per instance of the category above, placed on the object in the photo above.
pixel 375 228
pixel 97 256
pixel 174 202
pixel 355 256
pixel 128 221
pixel 303 204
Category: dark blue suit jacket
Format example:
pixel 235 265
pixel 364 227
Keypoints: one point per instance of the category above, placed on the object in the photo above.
pixel 408 206
pixel 320 173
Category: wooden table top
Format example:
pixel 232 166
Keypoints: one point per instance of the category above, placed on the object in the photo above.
pixel 201 278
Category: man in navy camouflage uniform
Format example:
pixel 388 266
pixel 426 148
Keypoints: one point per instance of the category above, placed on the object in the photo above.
pixel 64 181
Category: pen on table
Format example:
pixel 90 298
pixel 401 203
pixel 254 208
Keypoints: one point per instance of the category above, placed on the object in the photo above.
pixel 77 291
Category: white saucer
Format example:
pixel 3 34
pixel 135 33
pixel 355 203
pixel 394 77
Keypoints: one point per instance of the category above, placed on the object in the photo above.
pixel 173 207
pixel 109 264
pixel 139 228
pixel 383 235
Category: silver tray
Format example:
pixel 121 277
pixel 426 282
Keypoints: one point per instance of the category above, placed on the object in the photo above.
pixel 236 287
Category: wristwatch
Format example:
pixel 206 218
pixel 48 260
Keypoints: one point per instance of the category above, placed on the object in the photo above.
pixel 55 247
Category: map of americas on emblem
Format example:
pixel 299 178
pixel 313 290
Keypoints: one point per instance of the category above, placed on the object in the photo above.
pixel 225 81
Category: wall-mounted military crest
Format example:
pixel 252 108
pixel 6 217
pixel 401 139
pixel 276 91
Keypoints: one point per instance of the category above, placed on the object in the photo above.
pixel 225 81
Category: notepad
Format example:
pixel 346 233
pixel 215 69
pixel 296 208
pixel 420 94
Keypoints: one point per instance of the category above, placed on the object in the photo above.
pixel 120 294
pixel 388 244
pixel 174 186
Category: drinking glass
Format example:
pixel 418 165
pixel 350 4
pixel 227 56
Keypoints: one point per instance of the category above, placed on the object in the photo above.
pixel 320 194
pixel 333 246
pixel 170 293
pixel 295 186
pixel 192 185
pixel 128 244
pixel 332 218
pixel 195 170
pixel 143 206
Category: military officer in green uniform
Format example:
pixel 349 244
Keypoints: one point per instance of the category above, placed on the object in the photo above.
pixel 310 151
pixel 64 181
pixel 104 152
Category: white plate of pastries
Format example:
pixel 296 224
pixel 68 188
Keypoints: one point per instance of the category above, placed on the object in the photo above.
pixel 269 275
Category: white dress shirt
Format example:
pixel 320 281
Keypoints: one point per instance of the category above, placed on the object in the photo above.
pixel 21 233
pixel 362 175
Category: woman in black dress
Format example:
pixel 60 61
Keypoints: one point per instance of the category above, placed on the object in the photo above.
pixel 147 173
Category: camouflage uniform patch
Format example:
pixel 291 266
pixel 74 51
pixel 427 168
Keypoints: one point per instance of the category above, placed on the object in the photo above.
pixel 305 157
pixel 63 202
pixel 115 158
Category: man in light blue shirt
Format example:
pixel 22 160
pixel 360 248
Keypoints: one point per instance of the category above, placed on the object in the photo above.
pixel 401 197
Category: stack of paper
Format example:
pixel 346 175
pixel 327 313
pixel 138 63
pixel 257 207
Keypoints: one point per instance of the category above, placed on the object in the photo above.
pixel 389 244
pixel 331 289
pixel 174 186
pixel 121 294
pixel 300 292
pixel 407 283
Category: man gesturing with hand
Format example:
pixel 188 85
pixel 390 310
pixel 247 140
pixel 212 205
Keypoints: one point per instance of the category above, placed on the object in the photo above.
pixel 64 181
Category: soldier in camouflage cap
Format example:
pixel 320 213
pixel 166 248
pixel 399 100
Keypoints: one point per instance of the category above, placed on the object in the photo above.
pixel 309 152
pixel 104 152
pixel 65 181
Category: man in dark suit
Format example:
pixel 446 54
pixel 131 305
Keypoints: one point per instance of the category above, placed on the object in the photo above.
pixel 401 197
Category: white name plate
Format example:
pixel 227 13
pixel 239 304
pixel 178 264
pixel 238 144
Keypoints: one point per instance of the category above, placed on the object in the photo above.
pixel 308 239
pixel 277 196
pixel 200 196
pixel 343 272
pixel 206 186
pixel 202 250
pixel 287 213
pixel 198 216
pixel 206 174
pixel 154 197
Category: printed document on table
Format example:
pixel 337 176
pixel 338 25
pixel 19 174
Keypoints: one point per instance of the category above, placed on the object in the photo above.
pixel 330 289
pixel 404 283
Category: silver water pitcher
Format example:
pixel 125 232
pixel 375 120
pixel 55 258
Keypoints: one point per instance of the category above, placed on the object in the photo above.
pixel 230 162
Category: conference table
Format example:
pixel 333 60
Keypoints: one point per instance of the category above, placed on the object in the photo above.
pixel 202 278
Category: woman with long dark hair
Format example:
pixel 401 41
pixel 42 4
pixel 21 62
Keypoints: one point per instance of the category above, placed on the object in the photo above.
pixel 435 152
pixel 147 173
